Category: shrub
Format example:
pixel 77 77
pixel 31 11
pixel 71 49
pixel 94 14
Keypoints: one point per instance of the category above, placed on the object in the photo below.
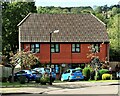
pixel 22 79
pixel 4 79
pixel 102 71
pixel 37 80
pixel 45 79
pixel 92 75
pixel 86 73
pixel 106 76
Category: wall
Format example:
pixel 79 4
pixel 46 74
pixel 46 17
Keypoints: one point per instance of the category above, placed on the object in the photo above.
pixel 65 55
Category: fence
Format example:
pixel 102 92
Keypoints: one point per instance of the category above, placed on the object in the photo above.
pixel 5 71
pixel 113 65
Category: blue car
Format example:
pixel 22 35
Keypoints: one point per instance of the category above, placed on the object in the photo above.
pixel 30 75
pixel 46 71
pixel 71 75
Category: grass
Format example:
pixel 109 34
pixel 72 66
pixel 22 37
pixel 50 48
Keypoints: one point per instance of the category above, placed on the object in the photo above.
pixel 17 84
pixel 33 84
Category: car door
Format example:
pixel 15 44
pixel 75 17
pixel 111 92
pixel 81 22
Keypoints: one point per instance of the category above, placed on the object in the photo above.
pixel 66 74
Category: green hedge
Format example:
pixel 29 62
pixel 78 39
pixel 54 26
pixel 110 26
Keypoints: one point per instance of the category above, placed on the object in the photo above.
pixel 86 73
pixel 45 79
pixel 101 72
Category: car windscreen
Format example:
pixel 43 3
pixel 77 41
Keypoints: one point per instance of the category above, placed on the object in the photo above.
pixel 73 71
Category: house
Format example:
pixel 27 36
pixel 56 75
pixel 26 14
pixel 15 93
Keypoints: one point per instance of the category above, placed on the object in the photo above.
pixel 78 33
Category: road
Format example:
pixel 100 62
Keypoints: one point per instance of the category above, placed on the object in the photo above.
pixel 68 88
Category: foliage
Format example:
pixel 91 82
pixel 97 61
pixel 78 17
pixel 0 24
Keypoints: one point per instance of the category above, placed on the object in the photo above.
pixel 25 59
pixel 86 72
pixel 101 72
pixel 106 77
pixel 22 79
pixel 12 14
pixel 45 79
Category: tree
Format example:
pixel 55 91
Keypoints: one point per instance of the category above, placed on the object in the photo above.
pixel 25 59
pixel 114 10
pixel 65 11
pixel 75 10
pixel 98 9
pixel 114 31
pixel 12 14
pixel 56 10
pixel 43 10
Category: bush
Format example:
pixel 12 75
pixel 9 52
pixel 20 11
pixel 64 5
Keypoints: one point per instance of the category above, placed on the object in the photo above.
pixel 45 79
pixel 37 80
pixel 106 76
pixel 23 79
pixel 4 79
pixel 102 71
pixel 86 73
pixel 92 75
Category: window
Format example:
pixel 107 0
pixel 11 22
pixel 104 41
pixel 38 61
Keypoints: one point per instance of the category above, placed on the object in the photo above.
pixel 95 48
pixel 35 48
pixel 55 48
pixel 76 48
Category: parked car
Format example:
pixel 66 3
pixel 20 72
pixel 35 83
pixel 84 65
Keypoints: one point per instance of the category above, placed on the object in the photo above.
pixel 31 75
pixel 46 71
pixel 118 75
pixel 72 74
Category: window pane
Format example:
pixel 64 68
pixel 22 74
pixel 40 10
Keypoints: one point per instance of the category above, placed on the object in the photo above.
pixel 73 45
pixel 32 50
pixel 57 46
pixel 73 49
pixel 32 46
pixel 37 50
pixel 52 50
pixel 77 49
pixel 57 50
pixel 77 45
pixel 37 45
pixel 52 45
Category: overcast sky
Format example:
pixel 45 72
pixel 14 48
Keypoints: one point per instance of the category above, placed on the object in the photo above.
pixel 75 3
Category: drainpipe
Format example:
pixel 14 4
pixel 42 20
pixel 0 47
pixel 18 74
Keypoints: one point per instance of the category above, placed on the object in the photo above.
pixel 19 40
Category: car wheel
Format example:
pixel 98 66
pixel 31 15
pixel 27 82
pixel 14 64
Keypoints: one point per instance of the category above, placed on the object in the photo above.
pixel 69 79
pixel 62 79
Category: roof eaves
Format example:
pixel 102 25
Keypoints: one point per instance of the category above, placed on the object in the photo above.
pixel 98 19
pixel 24 19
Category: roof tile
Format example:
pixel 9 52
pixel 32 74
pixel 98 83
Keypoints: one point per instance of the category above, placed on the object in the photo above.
pixel 72 27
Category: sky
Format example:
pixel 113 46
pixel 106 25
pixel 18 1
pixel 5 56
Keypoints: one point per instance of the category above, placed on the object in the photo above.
pixel 75 3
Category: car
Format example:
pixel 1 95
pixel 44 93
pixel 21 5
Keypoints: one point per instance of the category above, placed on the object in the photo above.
pixel 118 75
pixel 46 71
pixel 31 75
pixel 71 75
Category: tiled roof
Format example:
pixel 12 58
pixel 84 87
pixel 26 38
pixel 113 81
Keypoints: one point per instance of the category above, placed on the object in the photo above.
pixel 72 28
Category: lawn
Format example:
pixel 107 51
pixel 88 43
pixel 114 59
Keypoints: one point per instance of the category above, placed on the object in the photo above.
pixel 17 84
pixel 33 84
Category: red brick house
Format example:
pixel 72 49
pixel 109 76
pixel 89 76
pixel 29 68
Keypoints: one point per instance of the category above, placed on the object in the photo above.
pixel 70 47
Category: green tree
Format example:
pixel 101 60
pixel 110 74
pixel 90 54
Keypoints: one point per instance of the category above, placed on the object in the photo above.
pixel 114 10
pixel 12 14
pixel 56 10
pixel 114 34
pixel 43 10
pixel 98 9
pixel 75 10
pixel 65 11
